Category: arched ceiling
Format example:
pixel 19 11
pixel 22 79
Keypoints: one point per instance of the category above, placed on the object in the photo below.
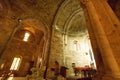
pixel 77 26
pixel 44 11
pixel 70 19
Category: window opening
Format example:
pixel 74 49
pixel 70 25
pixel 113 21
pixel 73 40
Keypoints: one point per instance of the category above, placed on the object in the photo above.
pixel 15 64
pixel 26 36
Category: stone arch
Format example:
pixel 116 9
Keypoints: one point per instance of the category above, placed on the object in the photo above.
pixel 32 25
pixel 73 16
pixel 64 17
pixel 65 11
pixel 30 51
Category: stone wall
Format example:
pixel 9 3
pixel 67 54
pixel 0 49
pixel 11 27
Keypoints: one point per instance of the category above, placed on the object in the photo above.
pixel 20 49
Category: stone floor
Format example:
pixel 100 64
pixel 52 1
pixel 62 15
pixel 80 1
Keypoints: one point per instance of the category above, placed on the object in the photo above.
pixel 70 76
pixel 78 77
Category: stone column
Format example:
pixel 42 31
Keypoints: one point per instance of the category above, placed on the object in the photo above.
pixel 113 18
pixel 95 48
pixel 113 33
pixel 112 71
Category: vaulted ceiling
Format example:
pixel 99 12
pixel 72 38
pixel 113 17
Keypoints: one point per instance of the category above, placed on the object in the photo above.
pixel 45 12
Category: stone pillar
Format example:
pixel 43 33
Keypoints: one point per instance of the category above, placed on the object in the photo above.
pixel 113 33
pixel 95 48
pixel 113 18
pixel 110 24
pixel 112 71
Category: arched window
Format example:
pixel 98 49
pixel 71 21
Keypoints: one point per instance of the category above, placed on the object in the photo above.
pixel 16 63
pixel 24 35
pixel 76 45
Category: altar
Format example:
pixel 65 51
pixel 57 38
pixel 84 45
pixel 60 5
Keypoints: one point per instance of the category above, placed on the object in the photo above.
pixel 84 71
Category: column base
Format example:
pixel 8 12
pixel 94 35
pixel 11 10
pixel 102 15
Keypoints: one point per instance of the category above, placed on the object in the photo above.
pixel 110 78
pixel 106 77
pixel 98 76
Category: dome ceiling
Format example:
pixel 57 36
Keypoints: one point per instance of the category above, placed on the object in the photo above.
pixel 77 25
pixel 70 19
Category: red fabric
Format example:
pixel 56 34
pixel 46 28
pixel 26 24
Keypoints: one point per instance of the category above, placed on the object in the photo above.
pixel 82 68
